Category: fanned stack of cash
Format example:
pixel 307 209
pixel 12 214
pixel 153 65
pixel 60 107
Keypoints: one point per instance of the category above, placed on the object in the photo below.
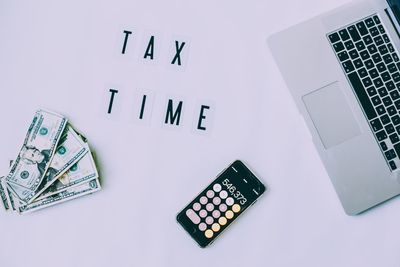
pixel 54 165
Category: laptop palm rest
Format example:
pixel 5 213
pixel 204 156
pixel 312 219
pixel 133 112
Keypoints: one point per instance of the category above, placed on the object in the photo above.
pixel 331 115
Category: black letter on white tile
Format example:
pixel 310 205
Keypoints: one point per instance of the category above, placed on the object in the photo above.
pixel 125 41
pixel 113 92
pixel 142 107
pixel 202 117
pixel 170 116
pixel 178 52
pixel 150 48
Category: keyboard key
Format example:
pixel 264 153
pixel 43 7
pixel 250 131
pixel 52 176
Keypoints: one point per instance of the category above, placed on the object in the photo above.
pixel 334 37
pixel 394 94
pixel 338 46
pixel 381 29
pixel 372 49
pixel 392 165
pixel 385 38
pixel 376 19
pixel 378 40
pixel 374 73
pixel 364 54
pixel 358 63
pixel 376 58
pixel 390 154
pixel 354 33
pixel 385 119
pixel 371 91
pixel 369 64
pixel 369 22
pixel 362 96
pixel 383 145
pixel 387 59
pixel 387 101
pixel 390 47
pixel 397 148
pixel 348 66
pixel 349 44
pixel 360 45
pixel 391 111
pixel 390 85
pixel 376 100
pixel 383 49
pixel 344 35
pixel 362 28
pixel 392 67
pixel 396 119
pixel 353 54
pixel 362 72
pixel 395 57
pixel 376 125
pixel 394 138
pixel 381 135
pixel 389 128
pixel 381 67
pixel 343 56
pixel 380 110
pixel 378 83
pixel 368 40
pixel 398 129
pixel 397 104
pixel 374 31
pixel 367 82
pixel 396 77
pixel 385 76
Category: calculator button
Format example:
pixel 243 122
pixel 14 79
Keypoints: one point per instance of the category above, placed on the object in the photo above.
pixel 196 206
pixel 203 213
pixel 217 187
pixel 209 220
pixel 223 194
pixel 229 201
pixel 209 207
pixel 215 227
pixel 202 226
pixel 193 216
pixel 209 233
pixel 203 200
pixel 222 221
pixel 229 214
pixel 223 207
pixel 216 214
pixel 210 194
pixel 236 208
pixel 216 200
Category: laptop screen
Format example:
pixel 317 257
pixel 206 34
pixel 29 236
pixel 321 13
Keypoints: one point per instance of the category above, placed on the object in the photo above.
pixel 395 6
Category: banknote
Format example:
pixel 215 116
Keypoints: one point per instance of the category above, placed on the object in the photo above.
pixel 65 195
pixel 68 153
pixel 34 158
pixel 82 171
pixel 3 194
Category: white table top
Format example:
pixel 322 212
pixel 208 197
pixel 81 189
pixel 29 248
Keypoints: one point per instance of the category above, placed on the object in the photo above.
pixel 65 56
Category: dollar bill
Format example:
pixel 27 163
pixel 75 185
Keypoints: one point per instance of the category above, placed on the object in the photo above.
pixel 65 195
pixel 82 171
pixel 68 153
pixel 30 166
pixel 3 194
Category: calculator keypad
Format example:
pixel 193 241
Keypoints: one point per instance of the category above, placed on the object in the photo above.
pixel 214 210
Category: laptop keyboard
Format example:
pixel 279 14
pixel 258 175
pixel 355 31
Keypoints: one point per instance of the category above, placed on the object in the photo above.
pixel 371 63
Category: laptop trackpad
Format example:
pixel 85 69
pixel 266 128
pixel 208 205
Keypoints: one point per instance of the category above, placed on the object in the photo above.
pixel 331 115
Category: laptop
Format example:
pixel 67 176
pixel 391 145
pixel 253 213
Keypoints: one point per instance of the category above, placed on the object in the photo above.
pixel 343 71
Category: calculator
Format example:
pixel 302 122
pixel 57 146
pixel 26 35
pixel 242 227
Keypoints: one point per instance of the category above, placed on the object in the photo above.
pixel 233 191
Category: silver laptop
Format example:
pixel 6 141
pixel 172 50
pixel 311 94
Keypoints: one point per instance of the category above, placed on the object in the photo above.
pixel 343 71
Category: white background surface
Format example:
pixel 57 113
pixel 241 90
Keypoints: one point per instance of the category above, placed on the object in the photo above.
pixel 62 56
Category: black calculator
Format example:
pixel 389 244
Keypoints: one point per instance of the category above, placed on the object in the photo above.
pixel 220 203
